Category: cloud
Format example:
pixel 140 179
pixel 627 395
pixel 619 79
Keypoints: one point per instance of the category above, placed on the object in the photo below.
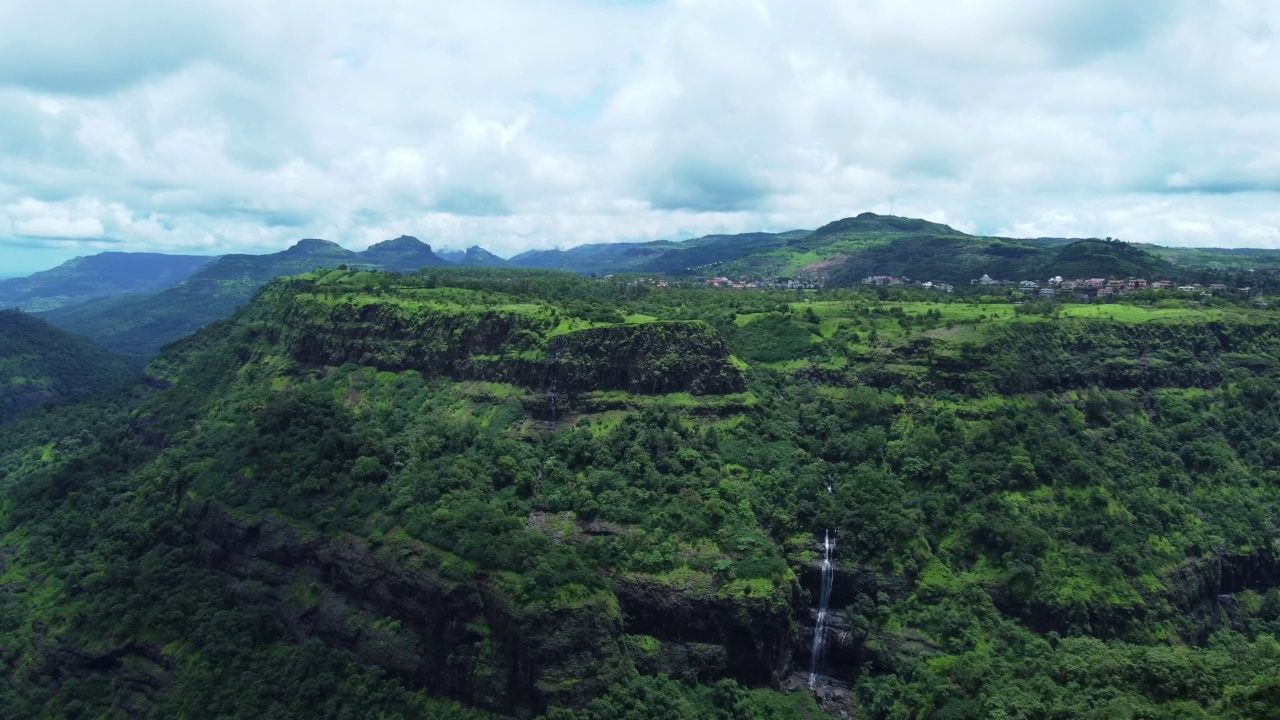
pixel 243 126
pixel 91 47
pixel 690 184
pixel 32 218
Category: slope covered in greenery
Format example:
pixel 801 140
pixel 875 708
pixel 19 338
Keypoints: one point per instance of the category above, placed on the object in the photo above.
pixel 101 275
pixel 846 251
pixel 40 363
pixel 362 496
pixel 138 325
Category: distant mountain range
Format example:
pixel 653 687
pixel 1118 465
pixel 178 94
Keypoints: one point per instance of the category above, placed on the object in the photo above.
pixel 139 324
pixel 108 273
pixel 847 250
pixel 135 303
pixel 474 256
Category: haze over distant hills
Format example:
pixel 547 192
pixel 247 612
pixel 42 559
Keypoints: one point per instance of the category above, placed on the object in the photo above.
pixel 139 324
pixel 474 256
pixel 847 250
pixel 842 253
pixel 108 273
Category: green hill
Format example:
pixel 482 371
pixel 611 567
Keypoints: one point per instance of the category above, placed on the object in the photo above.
pixel 138 325
pixel 846 251
pixel 479 257
pixel 1099 258
pixel 595 257
pixel 101 275
pixel 39 363
pixel 474 493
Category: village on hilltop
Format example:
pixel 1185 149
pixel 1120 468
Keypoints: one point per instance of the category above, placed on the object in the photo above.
pixel 1083 289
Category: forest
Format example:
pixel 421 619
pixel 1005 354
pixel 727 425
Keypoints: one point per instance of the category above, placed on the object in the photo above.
pixel 515 493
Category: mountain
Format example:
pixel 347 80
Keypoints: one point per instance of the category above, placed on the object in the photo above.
pixel 1110 259
pixel 403 252
pixel 101 275
pixel 476 256
pixel 595 257
pixel 39 362
pixel 527 494
pixel 138 325
pixel 846 251
pixel 659 256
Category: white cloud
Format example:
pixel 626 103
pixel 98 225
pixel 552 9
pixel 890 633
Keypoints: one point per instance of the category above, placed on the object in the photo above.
pixel 515 124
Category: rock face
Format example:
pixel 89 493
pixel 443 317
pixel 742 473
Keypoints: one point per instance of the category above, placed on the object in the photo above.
pixel 465 639
pixel 846 648
pixel 512 347
pixel 747 639
pixel 468 639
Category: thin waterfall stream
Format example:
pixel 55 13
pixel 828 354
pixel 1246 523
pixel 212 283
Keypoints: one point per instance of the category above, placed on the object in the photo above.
pixel 824 601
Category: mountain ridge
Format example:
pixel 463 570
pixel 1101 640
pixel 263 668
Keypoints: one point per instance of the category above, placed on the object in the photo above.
pixel 103 274
pixel 138 325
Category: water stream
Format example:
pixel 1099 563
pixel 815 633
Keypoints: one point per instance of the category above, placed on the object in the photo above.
pixel 824 601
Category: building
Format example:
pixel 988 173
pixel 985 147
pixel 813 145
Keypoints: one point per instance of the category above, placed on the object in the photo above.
pixel 986 280
pixel 880 280
pixel 1161 285
pixel 1028 285
pixel 1048 292
pixel 1104 291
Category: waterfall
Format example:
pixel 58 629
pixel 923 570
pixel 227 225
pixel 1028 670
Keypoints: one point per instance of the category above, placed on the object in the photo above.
pixel 824 600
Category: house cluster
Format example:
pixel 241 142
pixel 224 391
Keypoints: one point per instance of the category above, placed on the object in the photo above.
pixel 1087 288
pixel 637 282
pixel 745 283
pixel 891 280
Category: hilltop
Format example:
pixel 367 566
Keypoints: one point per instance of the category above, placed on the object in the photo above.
pixel 101 275
pixel 39 363
pixel 138 325
pixel 845 251
pixel 474 256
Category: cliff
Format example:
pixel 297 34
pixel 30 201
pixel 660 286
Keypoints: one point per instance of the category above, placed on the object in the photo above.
pixel 518 346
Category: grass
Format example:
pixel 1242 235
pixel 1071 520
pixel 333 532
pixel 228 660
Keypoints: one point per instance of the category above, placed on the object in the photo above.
pixel 1139 314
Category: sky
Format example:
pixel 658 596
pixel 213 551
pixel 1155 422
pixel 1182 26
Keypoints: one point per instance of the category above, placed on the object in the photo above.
pixel 241 126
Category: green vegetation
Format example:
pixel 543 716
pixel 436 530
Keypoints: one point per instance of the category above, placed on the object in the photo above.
pixel 525 493
pixel 139 324
pixel 846 251
pixel 96 276
pixel 140 311
pixel 39 363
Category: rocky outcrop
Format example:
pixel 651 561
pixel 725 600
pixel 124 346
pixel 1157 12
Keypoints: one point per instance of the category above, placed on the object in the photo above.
pixel 509 346
pixel 1202 590
pixel 748 639
pixel 849 645
pixel 392 607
